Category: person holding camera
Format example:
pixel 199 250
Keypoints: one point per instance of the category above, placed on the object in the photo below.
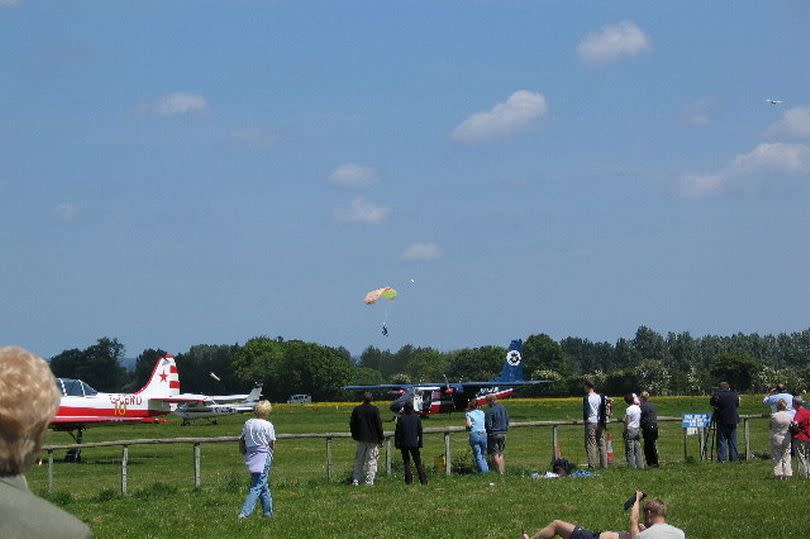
pixel 655 524
pixel 726 402
pixel 779 393
pixel 595 416
pixel 649 429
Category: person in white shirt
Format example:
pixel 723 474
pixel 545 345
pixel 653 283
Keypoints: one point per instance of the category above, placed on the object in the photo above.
pixel 594 415
pixel 632 432
pixel 258 444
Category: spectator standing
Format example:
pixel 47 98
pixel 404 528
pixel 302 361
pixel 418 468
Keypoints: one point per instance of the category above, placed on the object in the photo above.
pixel 780 440
pixel 775 395
pixel 28 401
pixel 632 432
pixel 476 425
pixel 366 428
pixel 594 414
pixel 258 444
pixel 496 422
pixel 726 402
pixel 649 429
pixel 801 436
pixel 408 439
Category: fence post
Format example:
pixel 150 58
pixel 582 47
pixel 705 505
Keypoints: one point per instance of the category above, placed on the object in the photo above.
pixel 197 480
pixel 747 440
pixel 329 458
pixel 447 463
pixel 702 444
pixel 685 446
pixel 124 463
pixel 388 455
pixel 50 471
pixel 554 453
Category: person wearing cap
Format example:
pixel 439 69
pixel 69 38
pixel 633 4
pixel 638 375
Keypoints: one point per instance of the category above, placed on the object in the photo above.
pixel 801 436
pixel 28 401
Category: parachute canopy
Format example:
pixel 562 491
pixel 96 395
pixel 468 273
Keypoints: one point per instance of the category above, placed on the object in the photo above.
pixel 374 295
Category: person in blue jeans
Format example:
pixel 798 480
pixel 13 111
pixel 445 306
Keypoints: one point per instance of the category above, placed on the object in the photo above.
pixel 258 444
pixel 726 402
pixel 478 435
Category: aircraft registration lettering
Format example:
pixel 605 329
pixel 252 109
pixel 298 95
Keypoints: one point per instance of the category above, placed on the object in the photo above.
pixel 126 400
pixel 120 409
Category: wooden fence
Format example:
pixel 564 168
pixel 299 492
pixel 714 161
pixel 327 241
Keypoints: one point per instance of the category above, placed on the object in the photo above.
pixel 330 436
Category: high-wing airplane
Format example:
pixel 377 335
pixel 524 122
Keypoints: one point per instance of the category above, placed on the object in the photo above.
pixel 218 405
pixel 82 406
pixel 773 101
pixel 442 397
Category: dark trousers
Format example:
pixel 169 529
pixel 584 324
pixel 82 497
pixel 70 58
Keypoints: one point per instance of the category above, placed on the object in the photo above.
pixel 726 442
pixel 407 453
pixel 650 450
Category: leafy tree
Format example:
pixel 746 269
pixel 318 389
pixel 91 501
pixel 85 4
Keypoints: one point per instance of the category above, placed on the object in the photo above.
pixel 201 360
pixel 649 344
pixel 65 363
pixel 541 352
pixel 735 367
pixel 260 359
pixel 428 365
pixel 482 363
pixel 654 377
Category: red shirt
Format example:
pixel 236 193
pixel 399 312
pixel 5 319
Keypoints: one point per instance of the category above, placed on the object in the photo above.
pixel 802 417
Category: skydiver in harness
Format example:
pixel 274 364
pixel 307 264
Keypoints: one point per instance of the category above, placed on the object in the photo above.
pixel 385 329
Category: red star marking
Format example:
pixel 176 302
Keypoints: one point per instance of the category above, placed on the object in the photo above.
pixel 163 376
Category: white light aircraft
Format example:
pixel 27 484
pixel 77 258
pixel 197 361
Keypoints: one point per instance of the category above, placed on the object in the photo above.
pixel 773 101
pixel 82 406
pixel 218 405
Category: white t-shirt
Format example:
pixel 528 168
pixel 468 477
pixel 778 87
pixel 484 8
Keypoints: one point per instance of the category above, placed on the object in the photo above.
pixel 661 531
pixel 258 433
pixel 594 400
pixel 632 417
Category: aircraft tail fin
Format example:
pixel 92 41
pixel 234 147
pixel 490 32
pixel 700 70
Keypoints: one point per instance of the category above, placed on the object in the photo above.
pixel 254 396
pixel 513 364
pixel 165 380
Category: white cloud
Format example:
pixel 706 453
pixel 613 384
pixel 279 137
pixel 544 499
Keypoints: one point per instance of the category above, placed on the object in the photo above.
pixel 176 103
pixel 771 159
pixel 521 111
pixel 613 42
pixel 696 113
pixel 422 251
pixel 353 176
pixel 66 211
pixel 9 2
pixel 252 138
pixel 795 123
pixel 363 211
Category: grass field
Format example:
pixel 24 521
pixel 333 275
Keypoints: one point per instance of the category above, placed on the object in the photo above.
pixel 706 499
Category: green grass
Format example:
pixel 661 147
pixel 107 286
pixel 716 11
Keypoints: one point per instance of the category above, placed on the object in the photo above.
pixel 706 499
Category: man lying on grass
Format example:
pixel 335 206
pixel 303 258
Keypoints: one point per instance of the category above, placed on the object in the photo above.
pixel 655 525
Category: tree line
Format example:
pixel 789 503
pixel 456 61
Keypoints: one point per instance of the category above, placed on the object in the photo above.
pixel 673 364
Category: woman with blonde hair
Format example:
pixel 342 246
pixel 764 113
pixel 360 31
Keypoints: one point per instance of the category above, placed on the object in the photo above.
pixel 258 444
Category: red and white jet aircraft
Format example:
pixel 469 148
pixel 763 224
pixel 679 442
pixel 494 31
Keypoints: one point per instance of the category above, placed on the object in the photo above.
pixel 82 406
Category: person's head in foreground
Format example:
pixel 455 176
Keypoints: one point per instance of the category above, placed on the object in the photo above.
pixel 28 401
pixel 492 399
pixel 654 511
pixel 262 409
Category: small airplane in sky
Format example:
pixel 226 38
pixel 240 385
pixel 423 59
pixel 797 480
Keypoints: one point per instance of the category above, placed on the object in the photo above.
pixel 218 405
pixel 82 406
pixel 773 101
pixel 443 397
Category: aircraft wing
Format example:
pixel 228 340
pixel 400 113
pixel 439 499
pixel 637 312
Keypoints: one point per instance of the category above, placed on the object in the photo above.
pixel 82 419
pixel 500 384
pixel 379 386
pixel 183 397
pixel 228 398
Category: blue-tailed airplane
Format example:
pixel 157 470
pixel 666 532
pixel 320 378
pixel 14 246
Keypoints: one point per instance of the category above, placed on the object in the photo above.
pixel 443 397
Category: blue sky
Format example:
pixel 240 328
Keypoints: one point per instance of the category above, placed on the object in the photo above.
pixel 179 173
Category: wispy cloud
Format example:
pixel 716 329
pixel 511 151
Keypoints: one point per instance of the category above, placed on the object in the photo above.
pixel 252 138
pixel 795 123
pixel 520 112
pixel 175 104
pixel 422 251
pixel 766 159
pixel 66 211
pixel 354 176
pixel 9 2
pixel 696 113
pixel 363 211
pixel 613 42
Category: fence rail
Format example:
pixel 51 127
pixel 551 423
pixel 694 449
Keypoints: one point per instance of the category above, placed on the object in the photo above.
pixel 329 436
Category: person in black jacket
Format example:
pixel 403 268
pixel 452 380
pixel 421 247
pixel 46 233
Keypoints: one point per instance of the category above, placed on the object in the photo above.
pixel 408 439
pixel 725 402
pixel 649 429
pixel 366 428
